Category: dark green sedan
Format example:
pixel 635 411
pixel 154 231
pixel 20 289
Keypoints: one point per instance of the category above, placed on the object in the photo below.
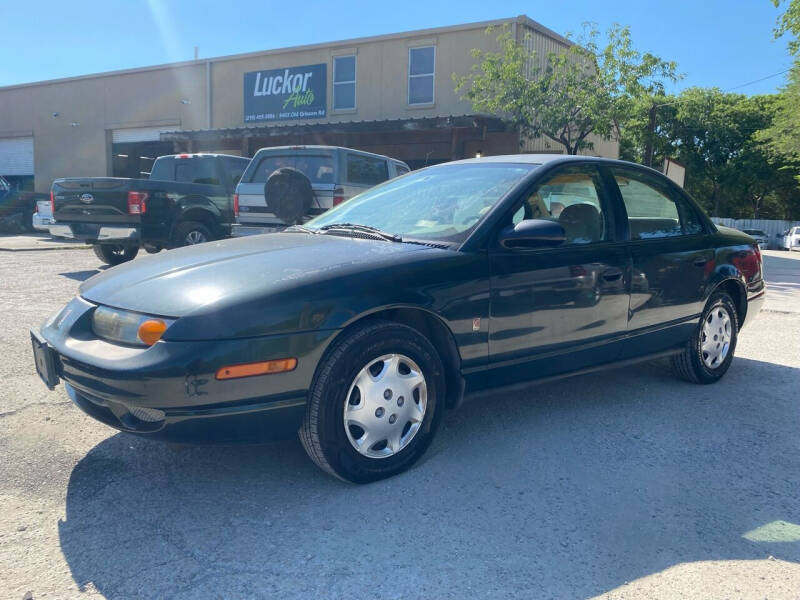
pixel 360 327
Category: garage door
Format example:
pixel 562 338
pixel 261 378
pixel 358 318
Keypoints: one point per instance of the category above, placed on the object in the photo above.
pixel 16 156
pixel 138 134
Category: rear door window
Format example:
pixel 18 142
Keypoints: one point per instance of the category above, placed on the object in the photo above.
pixel 652 213
pixel 366 170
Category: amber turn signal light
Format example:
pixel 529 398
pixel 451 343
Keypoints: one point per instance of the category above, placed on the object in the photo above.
pixel 150 331
pixel 267 367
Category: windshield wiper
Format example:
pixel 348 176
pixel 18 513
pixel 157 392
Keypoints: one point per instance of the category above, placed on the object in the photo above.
pixel 383 235
pixel 300 228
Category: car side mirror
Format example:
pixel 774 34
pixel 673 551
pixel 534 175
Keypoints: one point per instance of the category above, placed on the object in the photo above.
pixel 532 233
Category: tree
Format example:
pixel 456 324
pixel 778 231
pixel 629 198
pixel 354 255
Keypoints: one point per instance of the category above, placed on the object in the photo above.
pixel 708 131
pixel 782 137
pixel 728 170
pixel 567 96
pixel 789 22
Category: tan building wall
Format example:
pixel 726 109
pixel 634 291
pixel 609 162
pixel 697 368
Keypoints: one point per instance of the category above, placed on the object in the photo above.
pixel 71 120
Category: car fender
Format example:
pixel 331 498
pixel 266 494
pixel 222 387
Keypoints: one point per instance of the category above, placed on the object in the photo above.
pixel 196 208
pixel 430 324
pixel 194 202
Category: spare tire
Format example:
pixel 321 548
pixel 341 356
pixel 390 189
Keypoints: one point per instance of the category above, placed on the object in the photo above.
pixel 288 194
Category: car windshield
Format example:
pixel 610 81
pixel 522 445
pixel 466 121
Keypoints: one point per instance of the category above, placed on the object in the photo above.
pixel 441 203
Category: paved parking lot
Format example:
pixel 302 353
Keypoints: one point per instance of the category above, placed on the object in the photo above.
pixel 625 484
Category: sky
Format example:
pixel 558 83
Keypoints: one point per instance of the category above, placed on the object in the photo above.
pixel 720 43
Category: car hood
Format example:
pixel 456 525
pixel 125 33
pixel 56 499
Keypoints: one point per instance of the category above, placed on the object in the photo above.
pixel 211 276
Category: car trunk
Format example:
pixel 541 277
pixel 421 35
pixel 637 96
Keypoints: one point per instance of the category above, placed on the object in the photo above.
pixel 102 201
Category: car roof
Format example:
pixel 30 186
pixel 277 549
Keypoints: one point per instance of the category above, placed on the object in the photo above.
pixel 201 155
pixel 543 159
pixel 328 148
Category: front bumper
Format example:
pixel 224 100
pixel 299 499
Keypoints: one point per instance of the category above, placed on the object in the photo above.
pixel 169 390
pixel 96 233
pixel 273 419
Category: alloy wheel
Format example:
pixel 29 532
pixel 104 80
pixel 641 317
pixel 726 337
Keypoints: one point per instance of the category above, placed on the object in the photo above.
pixel 194 237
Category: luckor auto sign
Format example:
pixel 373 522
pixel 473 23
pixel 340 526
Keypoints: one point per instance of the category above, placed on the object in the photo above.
pixel 281 94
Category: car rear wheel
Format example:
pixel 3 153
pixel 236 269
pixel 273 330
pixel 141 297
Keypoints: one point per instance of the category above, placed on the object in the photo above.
pixel 375 403
pixel 709 353
pixel 115 254
pixel 189 233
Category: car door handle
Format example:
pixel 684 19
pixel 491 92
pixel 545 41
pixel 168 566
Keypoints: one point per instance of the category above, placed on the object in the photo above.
pixel 612 274
pixel 700 262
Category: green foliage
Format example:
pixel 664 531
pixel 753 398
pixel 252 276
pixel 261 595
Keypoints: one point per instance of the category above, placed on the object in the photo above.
pixel 782 137
pixel 789 22
pixel 717 136
pixel 590 88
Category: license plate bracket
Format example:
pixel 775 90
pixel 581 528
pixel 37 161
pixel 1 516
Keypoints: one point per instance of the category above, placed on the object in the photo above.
pixel 45 358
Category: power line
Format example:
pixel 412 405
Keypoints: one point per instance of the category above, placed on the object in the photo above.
pixel 736 87
pixel 758 80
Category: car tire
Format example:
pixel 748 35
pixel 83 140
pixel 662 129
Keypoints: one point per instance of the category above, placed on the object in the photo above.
pixel 706 358
pixel 391 348
pixel 114 254
pixel 190 233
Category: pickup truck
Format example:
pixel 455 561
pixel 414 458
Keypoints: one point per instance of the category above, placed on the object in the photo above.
pixel 187 199
pixel 17 208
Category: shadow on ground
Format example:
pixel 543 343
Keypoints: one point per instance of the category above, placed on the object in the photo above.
pixel 569 489
pixel 83 275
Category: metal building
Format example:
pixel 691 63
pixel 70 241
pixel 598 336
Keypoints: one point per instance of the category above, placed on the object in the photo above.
pixel 391 94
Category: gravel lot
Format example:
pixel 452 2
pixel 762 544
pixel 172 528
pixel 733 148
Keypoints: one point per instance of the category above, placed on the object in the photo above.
pixel 625 484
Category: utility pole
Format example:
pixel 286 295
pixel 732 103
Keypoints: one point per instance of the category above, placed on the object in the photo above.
pixel 651 134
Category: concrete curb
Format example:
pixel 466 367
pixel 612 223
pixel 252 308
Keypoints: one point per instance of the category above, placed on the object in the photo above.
pixel 37 243
pixel 84 247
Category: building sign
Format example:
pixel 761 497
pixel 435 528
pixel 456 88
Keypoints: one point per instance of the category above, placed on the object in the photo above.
pixel 282 94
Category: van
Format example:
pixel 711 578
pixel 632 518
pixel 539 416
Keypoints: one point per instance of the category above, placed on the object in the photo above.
pixel 336 174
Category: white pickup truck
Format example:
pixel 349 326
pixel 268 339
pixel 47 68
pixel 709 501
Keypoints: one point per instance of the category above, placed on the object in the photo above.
pixel 335 174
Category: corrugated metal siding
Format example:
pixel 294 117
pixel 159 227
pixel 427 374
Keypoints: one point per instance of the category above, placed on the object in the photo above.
pixel 773 228
pixel 542 46
pixel 539 44
pixel 137 134
pixel 16 156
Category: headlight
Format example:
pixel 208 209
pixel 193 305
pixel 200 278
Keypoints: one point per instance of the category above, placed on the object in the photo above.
pixel 128 327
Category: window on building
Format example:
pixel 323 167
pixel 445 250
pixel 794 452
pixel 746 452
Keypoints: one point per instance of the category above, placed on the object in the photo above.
pixel 366 169
pixel 421 68
pixel 344 83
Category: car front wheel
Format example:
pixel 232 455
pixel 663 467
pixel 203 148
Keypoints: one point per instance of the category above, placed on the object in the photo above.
pixel 375 403
pixel 709 353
